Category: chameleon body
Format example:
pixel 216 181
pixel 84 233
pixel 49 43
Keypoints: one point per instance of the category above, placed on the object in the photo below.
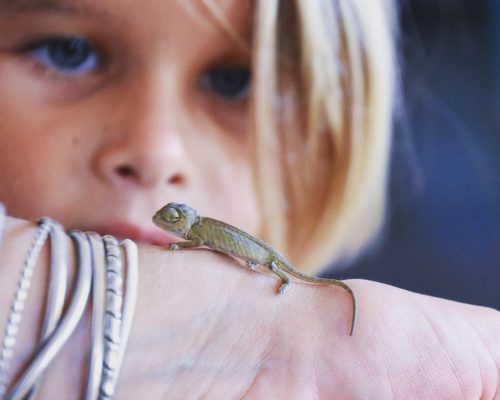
pixel 183 221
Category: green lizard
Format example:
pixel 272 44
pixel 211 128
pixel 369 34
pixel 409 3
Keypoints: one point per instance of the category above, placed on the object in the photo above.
pixel 183 221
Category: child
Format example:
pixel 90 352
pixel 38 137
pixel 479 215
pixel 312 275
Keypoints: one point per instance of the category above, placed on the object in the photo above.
pixel 272 116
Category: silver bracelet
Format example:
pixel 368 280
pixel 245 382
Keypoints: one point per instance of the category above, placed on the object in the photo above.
pixel 131 283
pixel 17 307
pixel 57 280
pixel 57 284
pixel 109 339
pixel 99 265
pixel 112 317
pixel 98 310
pixel 65 328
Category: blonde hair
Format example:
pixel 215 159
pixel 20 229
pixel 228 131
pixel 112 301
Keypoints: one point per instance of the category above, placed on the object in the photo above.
pixel 323 83
pixel 324 73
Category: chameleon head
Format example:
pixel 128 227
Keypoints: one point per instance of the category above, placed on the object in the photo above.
pixel 176 218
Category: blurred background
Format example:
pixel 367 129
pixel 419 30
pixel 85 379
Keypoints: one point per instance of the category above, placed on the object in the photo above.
pixel 442 235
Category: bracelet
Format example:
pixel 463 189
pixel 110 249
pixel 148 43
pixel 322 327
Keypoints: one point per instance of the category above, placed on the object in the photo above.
pixel 99 265
pixel 65 328
pixel 58 279
pixel 98 310
pixel 131 283
pixel 16 311
pixel 112 317
pixel 57 284
pixel 110 324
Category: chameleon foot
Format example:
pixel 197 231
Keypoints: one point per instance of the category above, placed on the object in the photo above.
pixel 283 287
pixel 284 277
pixel 251 264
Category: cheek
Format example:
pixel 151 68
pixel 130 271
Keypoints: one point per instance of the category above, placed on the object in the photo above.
pixel 35 154
pixel 228 188
pixel 241 190
pixel 224 187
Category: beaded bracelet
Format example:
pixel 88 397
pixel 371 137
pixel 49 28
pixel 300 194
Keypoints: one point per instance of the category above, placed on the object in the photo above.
pixel 99 265
pixel 57 282
pixel 65 328
pixel 17 308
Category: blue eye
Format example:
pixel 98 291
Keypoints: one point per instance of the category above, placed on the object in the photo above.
pixel 231 82
pixel 71 55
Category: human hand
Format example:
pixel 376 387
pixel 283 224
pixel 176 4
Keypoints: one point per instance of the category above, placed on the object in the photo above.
pixel 206 328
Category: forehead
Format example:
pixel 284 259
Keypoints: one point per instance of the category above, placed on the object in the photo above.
pixel 43 6
pixel 237 12
pixel 228 19
pixel 232 17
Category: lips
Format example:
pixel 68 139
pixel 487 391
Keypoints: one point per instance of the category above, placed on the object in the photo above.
pixel 125 230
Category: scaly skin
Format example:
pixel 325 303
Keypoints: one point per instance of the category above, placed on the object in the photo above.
pixel 183 221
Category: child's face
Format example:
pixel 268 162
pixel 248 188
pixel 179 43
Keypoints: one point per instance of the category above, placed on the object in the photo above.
pixel 110 109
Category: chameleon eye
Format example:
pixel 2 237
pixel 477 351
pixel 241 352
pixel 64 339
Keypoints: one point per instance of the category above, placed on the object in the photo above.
pixel 171 215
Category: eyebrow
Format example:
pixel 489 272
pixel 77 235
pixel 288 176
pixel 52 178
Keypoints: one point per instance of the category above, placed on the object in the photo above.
pixel 80 7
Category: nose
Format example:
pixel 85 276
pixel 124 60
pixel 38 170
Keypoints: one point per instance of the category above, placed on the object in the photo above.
pixel 143 144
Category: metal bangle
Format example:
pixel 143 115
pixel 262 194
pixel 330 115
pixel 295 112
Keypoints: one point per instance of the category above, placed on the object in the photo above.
pixel 131 283
pixel 17 307
pixel 98 311
pixel 65 328
pixel 57 283
pixel 99 264
pixel 115 350
pixel 58 279
pixel 112 318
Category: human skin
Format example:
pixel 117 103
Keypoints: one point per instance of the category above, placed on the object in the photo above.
pixel 211 328
pixel 102 150
pixel 102 143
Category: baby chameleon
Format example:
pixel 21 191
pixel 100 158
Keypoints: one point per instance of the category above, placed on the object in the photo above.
pixel 183 221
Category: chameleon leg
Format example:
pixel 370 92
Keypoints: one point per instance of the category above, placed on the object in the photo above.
pixel 252 264
pixel 184 245
pixel 284 277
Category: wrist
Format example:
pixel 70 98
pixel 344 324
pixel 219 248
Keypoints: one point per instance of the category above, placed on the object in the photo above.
pixel 205 317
